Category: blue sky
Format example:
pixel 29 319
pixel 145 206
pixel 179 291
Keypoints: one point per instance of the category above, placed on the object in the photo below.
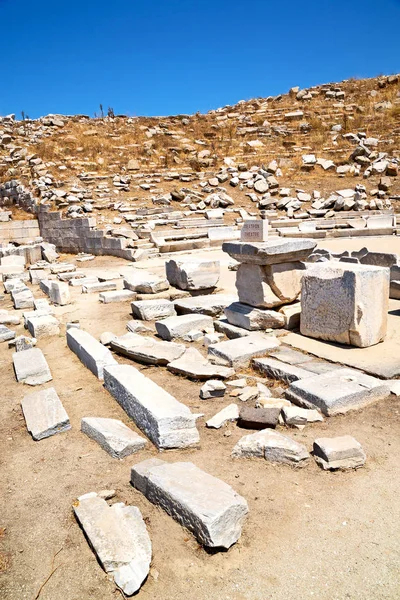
pixel 159 57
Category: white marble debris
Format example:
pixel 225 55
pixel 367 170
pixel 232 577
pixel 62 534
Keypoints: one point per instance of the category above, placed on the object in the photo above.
pixel 90 352
pixel 135 326
pixel 345 303
pixel 227 414
pixel 253 319
pixel 271 367
pixel 213 388
pixel 146 349
pixel 101 286
pixel 7 318
pixel 144 282
pixel 337 391
pixel 107 337
pixel 150 310
pixel 44 414
pixel 31 367
pixel 57 291
pixel 193 365
pixel 119 537
pixel 166 422
pixel 239 352
pixel 205 505
pixel 273 446
pixel 299 417
pixel 113 436
pixel 274 251
pixel 43 326
pixel 6 334
pixel 192 274
pixel 22 298
pixel 342 452
pixel 176 327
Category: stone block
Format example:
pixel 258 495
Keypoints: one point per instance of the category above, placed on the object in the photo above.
pixel 22 298
pixel 281 370
pixel 43 326
pixel 146 349
pixel 193 275
pixel 144 282
pixel 176 327
pixel 117 296
pixel 205 505
pixel 268 286
pixel 6 334
pixel 337 391
pixel 89 351
pixel 210 304
pixel 213 388
pixel 166 422
pixel 345 303
pixel 342 452
pixel 119 537
pixel 258 418
pixel 103 286
pixel 150 310
pixel 274 251
pixel 227 414
pixel 273 446
pixel 194 366
pixel 239 352
pixel 113 436
pixel 253 319
pixel 30 367
pixel 44 413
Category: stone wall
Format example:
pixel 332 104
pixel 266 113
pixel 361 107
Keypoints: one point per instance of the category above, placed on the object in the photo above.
pixel 80 235
pixel 13 192
pixel 20 232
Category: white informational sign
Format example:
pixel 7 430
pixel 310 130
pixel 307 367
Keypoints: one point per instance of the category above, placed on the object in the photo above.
pixel 254 231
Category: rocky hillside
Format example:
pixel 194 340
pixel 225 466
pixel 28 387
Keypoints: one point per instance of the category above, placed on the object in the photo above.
pixel 292 153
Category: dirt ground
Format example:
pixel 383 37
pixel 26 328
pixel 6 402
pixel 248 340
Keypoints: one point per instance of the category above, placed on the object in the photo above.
pixel 309 533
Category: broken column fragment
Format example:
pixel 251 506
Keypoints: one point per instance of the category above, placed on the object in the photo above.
pixel 119 538
pixel 167 422
pixel 205 505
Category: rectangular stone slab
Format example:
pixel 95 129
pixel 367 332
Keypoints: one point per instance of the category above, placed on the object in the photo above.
pixel 253 319
pixel 280 370
pixel 239 352
pixel 205 505
pixel 90 352
pixel 166 422
pixel 275 250
pixel 146 349
pixel 209 304
pixel 345 303
pixel 43 326
pixel 337 391
pixel 192 364
pixel 176 327
pixel 113 436
pixel 119 537
pixel 31 367
pixel 44 414
pixel 117 296
pixel 150 310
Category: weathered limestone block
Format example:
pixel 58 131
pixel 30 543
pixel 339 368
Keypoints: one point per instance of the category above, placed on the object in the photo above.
pixel 177 327
pixel 102 286
pixel 90 352
pixel 119 538
pixel 31 367
pixel 273 446
pixel 213 388
pixel 274 251
pixel 239 352
pixel 269 285
pixel 210 304
pixel 150 310
pixel 43 326
pixel 117 296
pixel 339 453
pixel 337 391
pixel 281 370
pixel 194 366
pixel 6 334
pixel 57 291
pixel 205 505
pixel 167 422
pixel 345 303
pixel 144 282
pixel 146 349
pixel 193 275
pixel 113 436
pixel 22 298
pixel 44 414
pixel 253 319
